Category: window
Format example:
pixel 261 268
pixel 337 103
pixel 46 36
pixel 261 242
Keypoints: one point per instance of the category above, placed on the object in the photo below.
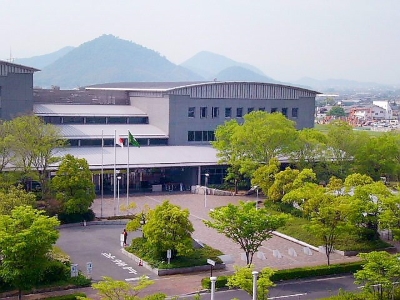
pixel 274 109
pixel 190 136
pixel 215 112
pixel 198 136
pixel 95 120
pixel 201 136
pixel 203 112
pixel 72 120
pixel 250 109
pixel 191 112
pixel 239 112
pixel 295 112
pixel 117 120
pixel 228 112
pixel 261 109
pixel 284 111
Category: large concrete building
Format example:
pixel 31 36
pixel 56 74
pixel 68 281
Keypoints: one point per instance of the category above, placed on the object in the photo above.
pixel 174 122
pixel 16 90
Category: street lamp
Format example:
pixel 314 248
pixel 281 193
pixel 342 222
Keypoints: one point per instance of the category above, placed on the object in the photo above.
pixel 119 178
pixel 255 275
pixel 205 189
pixel 256 188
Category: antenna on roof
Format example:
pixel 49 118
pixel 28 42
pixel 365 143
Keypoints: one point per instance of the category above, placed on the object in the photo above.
pixel 11 59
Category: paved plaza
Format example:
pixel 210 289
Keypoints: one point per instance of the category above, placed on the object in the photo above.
pixel 273 253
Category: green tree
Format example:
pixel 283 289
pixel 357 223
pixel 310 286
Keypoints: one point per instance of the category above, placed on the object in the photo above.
pixel 341 144
pixel 168 227
pixel 243 278
pixel 389 217
pixel 33 148
pixel 261 137
pixel 264 176
pixel 6 153
pixel 378 156
pixel 336 111
pixel 329 220
pixel 245 225
pixel 380 274
pixel 110 289
pixel 287 180
pixel 309 149
pixel 26 236
pixel 73 185
pixel 366 198
pixel 13 197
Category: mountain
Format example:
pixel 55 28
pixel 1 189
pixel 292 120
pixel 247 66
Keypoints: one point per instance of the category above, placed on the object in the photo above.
pixel 237 73
pixel 209 64
pixel 339 85
pixel 108 59
pixel 42 61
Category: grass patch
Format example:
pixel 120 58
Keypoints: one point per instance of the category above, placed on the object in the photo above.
pixel 296 228
pixel 198 257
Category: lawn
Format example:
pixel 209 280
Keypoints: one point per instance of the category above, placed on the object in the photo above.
pixel 296 228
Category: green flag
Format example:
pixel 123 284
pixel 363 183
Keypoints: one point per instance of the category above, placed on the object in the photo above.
pixel 132 140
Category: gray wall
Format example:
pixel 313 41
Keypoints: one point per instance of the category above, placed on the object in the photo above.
pixel 180 123
pixel 156 108
pixel 16 95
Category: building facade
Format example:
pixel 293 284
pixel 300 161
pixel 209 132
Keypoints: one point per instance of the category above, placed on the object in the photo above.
pixel 16 90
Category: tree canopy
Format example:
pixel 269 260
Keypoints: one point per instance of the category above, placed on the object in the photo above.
pixel 168 227
pixel 73 185
pixel 26 236
pixel 245 225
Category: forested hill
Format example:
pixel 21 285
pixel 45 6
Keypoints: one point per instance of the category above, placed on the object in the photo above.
pixel 109 59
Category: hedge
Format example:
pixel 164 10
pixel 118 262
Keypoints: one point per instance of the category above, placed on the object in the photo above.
pixel 296 273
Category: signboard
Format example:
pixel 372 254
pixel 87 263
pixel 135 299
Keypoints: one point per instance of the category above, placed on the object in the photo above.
pixel 74 270
pixel 211 262
pixel 169 255
pixel 89 268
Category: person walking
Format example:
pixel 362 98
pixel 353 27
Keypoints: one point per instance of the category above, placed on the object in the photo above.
pixel 125 233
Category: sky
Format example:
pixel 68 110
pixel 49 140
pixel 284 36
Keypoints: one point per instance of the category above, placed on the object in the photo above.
pixel 287 39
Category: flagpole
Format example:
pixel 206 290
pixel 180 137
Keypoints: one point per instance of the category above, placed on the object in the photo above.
pixel 127 177
pixel 115 167
pixel 102 174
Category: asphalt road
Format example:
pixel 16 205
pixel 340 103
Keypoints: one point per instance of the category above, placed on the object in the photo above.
pixel 100 245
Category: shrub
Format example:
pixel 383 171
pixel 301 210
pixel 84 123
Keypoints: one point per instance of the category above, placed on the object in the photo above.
pixel 297 273
pixel 73 296
pixel 80 281
pixel 76 218
pixel 220 283
pixel 54 271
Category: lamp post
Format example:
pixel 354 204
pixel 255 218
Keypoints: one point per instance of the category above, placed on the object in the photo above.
pixel 254 273
pixel 205 188
pixel 213 280
pixel 256 188
pixel 118 178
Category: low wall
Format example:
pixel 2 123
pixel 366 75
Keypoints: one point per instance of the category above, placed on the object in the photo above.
pixel 163 272
pixel 198 189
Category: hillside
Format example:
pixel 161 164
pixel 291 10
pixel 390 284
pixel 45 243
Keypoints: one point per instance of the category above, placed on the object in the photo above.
pixel 42 61
pixel 242 74
pixel 209 64
pixel 109 59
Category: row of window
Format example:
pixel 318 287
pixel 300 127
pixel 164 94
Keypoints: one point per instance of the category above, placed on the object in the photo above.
pixel 201 136
pixel 111 142
pixel 95 120
pixel 215 112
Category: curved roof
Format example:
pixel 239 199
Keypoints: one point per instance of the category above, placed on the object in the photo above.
pixel 211 89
